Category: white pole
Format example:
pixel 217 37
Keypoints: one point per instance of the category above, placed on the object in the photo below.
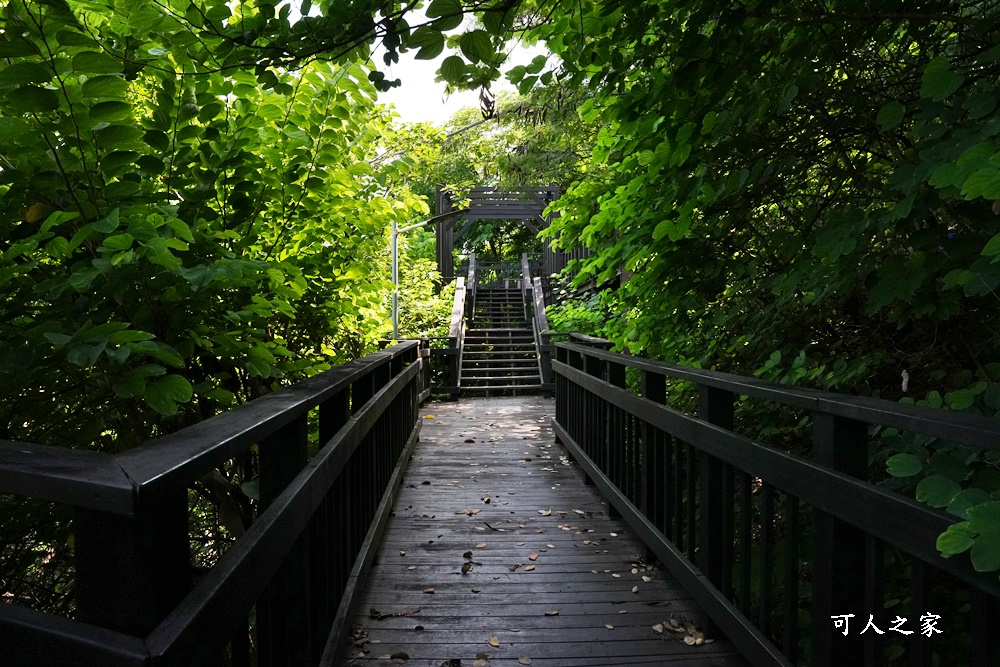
pixel 395 280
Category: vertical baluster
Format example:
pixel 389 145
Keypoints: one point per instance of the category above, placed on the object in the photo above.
pixel 325 528
pixel 677 453
pixel 131 571
pixel 838 550
pixel 617 435
pixel 691 478
pixel 654 388
pixel 766 620
pixel 874 598
pixel 716 408
pixel 746 540
pixel 985 621
pixel 790 638
pixel 728 529
pixel 920 594
pixel 284 632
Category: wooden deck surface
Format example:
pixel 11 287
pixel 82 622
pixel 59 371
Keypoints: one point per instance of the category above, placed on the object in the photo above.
pixel 488 478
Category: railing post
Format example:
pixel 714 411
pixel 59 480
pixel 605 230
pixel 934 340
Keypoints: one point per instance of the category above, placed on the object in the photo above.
pixel 716 408
pixel 653 388
pixel 594 441
pixel 615 436
pixel 283 620
pixel 838 549
pixel 132 570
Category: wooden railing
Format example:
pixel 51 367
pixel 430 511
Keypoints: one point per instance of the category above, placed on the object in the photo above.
pixel 282 593
pixel 776 546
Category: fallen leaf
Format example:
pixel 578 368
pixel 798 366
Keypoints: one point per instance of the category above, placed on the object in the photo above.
pixel 580 512
pixel 551 546
pixel 616 575
pixel 533 556
pixel 412 567
pixel 529 568
pixel 479 663
pixel 689 640
pixel 466 568
pixel 524 660
pixel 467 554
pixel 481 545
pixel 635 589
pixel 469 512
pixel 402 553
pixel 399 658
pixel 475 590
pixel 609 626
pixel 495 641
pixel 428 590
pixel 487 500
pixel 469 440
pixel 614 534
pixel 646 578
pixel 553 612
pixel 515 566
pixel 428 416
pixel 658 628
pixel 623 611
pixel 545 512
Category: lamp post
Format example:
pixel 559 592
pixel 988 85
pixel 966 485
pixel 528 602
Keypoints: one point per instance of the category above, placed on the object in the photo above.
pixel 396 231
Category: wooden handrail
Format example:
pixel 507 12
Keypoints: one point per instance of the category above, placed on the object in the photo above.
pixel 710 502
pixel 133 572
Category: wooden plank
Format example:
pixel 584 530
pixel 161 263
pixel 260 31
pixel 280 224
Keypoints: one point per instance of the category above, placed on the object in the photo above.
pixel 487 477
pixel 86 479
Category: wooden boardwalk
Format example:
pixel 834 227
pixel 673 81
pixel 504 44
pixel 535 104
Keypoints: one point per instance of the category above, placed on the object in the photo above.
pixel 499 555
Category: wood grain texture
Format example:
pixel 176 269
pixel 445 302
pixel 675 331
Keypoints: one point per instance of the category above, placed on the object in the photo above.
pixel 488 478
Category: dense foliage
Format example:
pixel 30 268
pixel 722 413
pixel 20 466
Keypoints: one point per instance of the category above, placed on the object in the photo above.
pixel 806 192
pixel 198 193
pixel 180 234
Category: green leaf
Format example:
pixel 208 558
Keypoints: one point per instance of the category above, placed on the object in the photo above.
pixel 476 45
pixel 108 223
pixel 118 242
pixel 58 338
pixel 452 69
pixel 959 400
pixel 24 72
pixel 967 498
pixel 992 248
pixel 110 111
pixel 96 62
pixel 983 183
pixel 31 99
pixel 937 490
pixel 986 552
pixel 890 115
pixel 986 514
pixel 430 41
pixel 903 465
pixel 443 7
pixel 164 394
pixel 957 538
pixel 105 86
pixel 12 129
pixel 938 81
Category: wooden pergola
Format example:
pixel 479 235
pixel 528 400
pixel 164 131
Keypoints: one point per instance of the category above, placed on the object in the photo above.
pixel 486 203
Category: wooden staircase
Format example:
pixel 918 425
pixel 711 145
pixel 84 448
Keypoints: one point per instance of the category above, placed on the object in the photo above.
pixel 499 354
